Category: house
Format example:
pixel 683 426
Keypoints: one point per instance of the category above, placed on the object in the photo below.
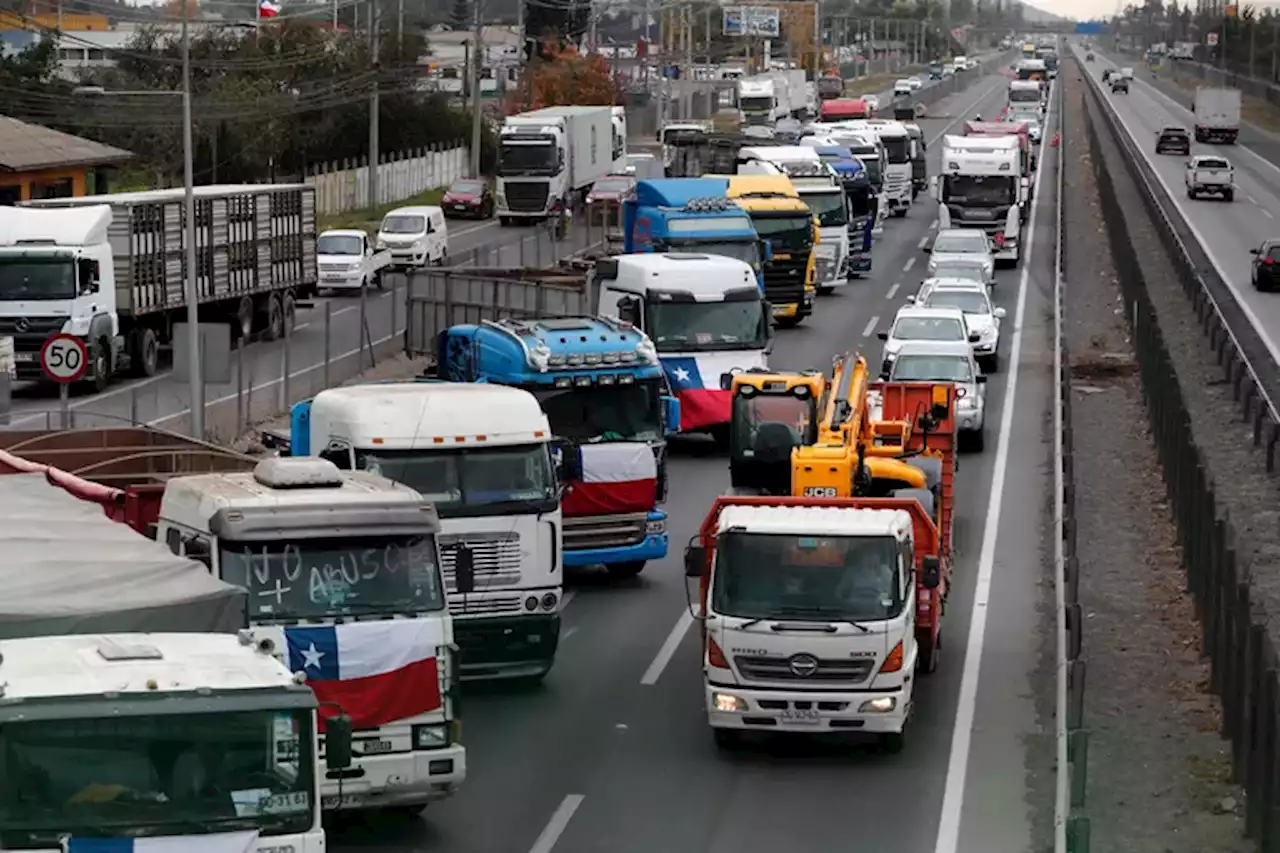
pixel 39 162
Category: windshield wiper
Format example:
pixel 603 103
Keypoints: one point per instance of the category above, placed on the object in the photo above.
pixel 818 611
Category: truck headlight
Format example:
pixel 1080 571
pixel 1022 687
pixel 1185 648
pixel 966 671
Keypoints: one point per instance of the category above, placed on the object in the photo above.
pixel 659 526
pixel 430 737
pixel 728 703
pixel 883 705
pixel 353 267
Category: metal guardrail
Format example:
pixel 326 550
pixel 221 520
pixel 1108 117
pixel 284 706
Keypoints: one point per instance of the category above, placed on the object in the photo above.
pixel 1234 627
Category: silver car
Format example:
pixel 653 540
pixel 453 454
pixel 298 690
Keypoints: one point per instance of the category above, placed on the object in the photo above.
pixel 980 315
pixel 940 325
pixel 948 361
pixel 966 269
pixel 1032 121
pixel 961 243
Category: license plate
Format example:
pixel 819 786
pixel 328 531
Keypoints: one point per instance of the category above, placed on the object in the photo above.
pixel 333 276
pixel 807 717
pixel 24 356
pixel 333 801
pixel 375 747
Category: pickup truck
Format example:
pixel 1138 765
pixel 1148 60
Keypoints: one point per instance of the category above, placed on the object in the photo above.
pixel 347 260
pixel 1208 175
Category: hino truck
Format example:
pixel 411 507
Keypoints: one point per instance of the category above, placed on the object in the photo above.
pixel 127 690
pixel 1217 115
pixel 981 186
pixel 601 387
pixel 326 556
pixel 109 270
pixel 549 158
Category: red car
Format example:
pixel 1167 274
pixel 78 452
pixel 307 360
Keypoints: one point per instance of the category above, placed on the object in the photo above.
pixel 468 197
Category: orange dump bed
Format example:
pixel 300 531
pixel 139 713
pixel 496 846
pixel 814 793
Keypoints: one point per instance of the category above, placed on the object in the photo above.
pixel 843 109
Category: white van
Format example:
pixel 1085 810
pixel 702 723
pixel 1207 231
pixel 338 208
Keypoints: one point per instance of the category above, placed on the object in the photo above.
pixel 417 236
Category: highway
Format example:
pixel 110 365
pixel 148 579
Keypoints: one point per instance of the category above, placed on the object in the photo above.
pixel 613 752
pixel 1227 231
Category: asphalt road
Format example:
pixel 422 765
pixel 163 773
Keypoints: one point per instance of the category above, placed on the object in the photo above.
pixel 1227 231
pixel 613 753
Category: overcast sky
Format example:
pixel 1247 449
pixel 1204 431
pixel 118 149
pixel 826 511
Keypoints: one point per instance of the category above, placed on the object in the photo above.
pixel 1078 9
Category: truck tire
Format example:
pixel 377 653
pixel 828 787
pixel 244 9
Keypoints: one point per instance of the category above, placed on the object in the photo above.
pixel 929 650
pixel 144 360
pixel 504 221
pixel 1229 195
pixel 102 364
pixel 623 571
pixel 275 319
pixel 290 310
pixel 242 323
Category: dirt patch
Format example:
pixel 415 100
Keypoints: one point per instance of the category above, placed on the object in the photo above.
pixel 1158 771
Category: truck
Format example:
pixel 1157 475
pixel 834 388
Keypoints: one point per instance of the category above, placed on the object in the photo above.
pixel 895 141
pixel 843 109
pixel 853 602
pixel 759 101
pixel 155 691
pixel 1019 130
pixel 862 205
pixel 602 390
pixel 690 215
pixel 109 269
pixel 780 217
pixel 870 151
pixel 483 456
pixel 314 547
pixel 981 187
pixel 348 260
pixel 549 158
pixel 1217 115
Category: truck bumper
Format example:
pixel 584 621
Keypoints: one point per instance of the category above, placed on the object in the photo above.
pixel 805 712
pixel 969 420
pixel 340 280
pixel 507 646
pixel 652 547
pixel 859 263
pixel 412 258
pixel 402 779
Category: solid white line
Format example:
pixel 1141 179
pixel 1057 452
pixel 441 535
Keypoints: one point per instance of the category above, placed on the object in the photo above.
pixel 871 326
pixel 911 262
pixel 966 706
pixel 668 650
pixel 568 597
pixel 892 290
pixel 1251 199
pixel 558 824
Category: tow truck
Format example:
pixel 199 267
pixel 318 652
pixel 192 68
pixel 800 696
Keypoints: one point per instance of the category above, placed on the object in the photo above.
pixel 846 603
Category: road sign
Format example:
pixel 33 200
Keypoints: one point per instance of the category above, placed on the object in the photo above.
pixel 64 358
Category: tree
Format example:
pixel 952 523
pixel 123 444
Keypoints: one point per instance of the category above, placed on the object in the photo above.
pixel 460 16
pixel 567 77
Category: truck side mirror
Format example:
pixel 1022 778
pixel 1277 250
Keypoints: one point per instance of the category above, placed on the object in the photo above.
pixel 464 570
pixel 974 337
pixel 671 415
pixel 695 561
pixel 884 336
pixel 767 249
pixel 567 461
pixel 933 189
pixel 337 742
pixel 981 379
pixel 629 310
pixel 931 574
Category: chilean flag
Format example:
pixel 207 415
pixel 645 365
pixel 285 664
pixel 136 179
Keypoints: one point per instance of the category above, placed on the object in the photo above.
pixel 267 9
pixel 219 842
pixel 695 379
pixel 617 477
pixel 376 672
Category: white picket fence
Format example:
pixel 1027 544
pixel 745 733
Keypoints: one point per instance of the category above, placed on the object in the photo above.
pixel 343 186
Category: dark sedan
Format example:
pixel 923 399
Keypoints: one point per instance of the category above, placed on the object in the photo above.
pixel 469 198
pixel 1120 85
pixel 1173 140
pixel 1266 265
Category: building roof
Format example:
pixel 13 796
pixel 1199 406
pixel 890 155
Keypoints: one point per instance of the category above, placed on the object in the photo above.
pixel 30 147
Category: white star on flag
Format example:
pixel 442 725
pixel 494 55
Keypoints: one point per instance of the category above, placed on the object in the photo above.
pixel 682 375
pixel 311 657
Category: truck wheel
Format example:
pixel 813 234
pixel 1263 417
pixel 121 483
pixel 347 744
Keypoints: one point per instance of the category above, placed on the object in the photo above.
pixel 930 649
pixel 243 325
pixel 727 739
pixel 102 365
pixel 290 308
pixel 145 358
pixel 504 221
pixel 622 571
pixel 275 319
pixel 377 280
pixel 1229 195
pixel 720 435
pixel 979 441
pixel 893 742
pixel 786 322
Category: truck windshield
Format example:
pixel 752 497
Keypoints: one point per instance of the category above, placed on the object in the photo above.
pixel 742 250
pixel 34 278
pixel 403 224
pixel 898 150
pixel 335 244
pixel 772 424
pixel 707 326
pixel 538 158
pixel 317 578
pixel 828 207
pixel 471 482
pixel 756 103
pixel 600 413
pixel 789 233
pixel 1024 96
pixel 127 776
pixel 870 158
pixel 978 190
pixel 766 576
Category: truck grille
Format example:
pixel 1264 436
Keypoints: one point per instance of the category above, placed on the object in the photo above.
pixel 496 557
pixel 784 279
pixel 852 671
pixel 335 267
pixel 605 531
pixel 472 606
pixel 527 197
pixel 896 183
pixel 34 331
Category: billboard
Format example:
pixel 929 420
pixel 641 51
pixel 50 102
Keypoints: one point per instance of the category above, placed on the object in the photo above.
pixel 1089 28
pixel 761 21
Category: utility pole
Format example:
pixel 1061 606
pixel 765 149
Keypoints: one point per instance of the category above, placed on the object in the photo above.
pixel 195 364
pixel 374 106
pixel 477 53
pixel 688 62
pixel 400 26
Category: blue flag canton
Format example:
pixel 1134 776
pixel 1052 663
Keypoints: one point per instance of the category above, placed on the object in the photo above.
pixel 313 650
pixel 682 373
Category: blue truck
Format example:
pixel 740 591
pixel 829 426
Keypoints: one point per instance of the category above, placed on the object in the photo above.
pixel 690 215
pixel 862 204
pixel 602 389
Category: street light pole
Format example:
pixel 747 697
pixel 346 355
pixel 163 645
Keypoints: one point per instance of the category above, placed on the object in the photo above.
pixel 194 361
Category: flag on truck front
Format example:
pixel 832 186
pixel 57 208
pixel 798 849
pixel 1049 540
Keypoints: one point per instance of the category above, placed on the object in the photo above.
pixel 695 380
pixel 617 477
pixel 376 672
pixel 267 9
pixel 219 842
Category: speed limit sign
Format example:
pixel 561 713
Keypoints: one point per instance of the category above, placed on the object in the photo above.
pixel 64 358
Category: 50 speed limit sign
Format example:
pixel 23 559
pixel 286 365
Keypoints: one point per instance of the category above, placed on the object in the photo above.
pixel 64 358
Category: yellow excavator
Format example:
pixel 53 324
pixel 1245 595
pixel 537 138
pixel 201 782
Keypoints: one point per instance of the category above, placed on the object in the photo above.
pixel 805 435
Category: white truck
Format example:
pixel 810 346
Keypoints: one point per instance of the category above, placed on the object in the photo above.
pixel 981 186
pixel 108 269
pixel 895 141
pixel 160 721
pixel 483 455
pixel 869 150
pixel 798 96
pixel 619 115
pixel 549 158
pixel 1217 115
pixel 348 260
pixel 1210 175
pixel 758 101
